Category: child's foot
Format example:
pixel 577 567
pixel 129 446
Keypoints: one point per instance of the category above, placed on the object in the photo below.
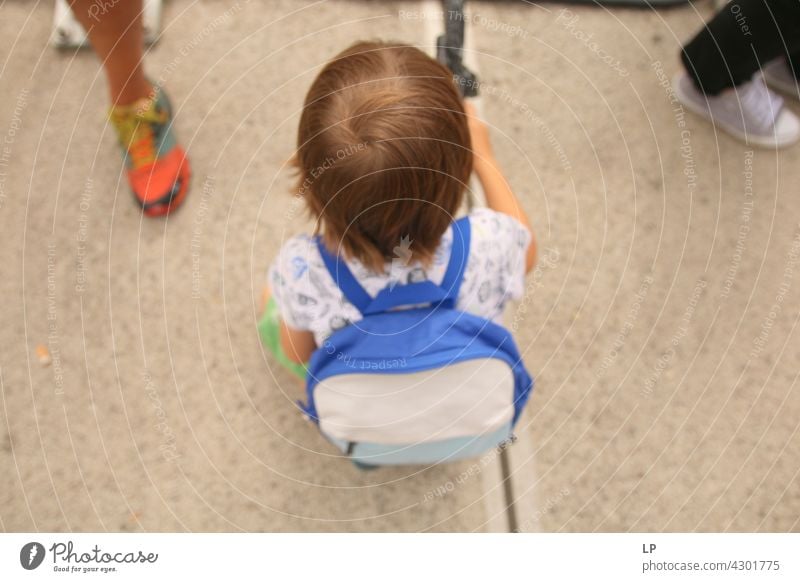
pixel 750 112
pixel 779 76
pixel 158 169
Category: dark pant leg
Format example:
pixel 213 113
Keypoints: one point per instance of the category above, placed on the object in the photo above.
pixel 741 38
pixel 794 63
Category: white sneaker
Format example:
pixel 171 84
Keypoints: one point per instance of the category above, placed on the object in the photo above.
pixel 778 76
pixel 749 112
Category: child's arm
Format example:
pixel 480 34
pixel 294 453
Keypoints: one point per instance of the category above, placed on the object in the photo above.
pixel 297 344
pixel 498 193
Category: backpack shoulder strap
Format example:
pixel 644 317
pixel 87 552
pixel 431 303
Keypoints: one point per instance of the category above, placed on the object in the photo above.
pixel 343 277
pixel 459 254
pixel 424 292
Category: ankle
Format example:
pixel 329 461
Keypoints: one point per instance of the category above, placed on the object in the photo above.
pixel 130 93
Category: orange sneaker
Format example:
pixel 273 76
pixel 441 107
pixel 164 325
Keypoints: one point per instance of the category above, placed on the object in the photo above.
pixel 157 167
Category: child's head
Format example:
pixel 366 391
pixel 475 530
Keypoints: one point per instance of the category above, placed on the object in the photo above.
pixel 383 151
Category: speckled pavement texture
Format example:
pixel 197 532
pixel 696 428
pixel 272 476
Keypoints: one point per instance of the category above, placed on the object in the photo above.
pixel 660 323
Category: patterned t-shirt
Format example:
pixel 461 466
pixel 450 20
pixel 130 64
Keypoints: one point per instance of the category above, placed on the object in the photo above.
pixel 309 299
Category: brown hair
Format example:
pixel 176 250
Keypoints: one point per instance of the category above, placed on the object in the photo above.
pixel 383 151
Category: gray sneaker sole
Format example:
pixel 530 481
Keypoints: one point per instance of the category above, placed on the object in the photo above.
pixel 768 142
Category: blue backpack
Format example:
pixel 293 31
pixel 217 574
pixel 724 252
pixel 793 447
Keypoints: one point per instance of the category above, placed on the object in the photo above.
pixel 415 380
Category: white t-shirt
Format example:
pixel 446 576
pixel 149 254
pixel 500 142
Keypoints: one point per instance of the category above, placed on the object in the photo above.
pixel 309 299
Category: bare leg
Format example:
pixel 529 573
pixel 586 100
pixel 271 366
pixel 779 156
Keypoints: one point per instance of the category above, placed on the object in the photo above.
pixel 266 293
pixel 116 34
pixel 157 168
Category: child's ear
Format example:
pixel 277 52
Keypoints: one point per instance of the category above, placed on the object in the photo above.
pixel 293 161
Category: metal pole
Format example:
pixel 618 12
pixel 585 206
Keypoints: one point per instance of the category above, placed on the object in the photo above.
pixel 449 47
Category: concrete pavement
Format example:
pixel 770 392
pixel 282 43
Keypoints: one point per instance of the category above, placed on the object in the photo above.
pixel 660 323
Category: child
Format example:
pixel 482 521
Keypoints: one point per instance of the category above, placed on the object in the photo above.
pixel 385 150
